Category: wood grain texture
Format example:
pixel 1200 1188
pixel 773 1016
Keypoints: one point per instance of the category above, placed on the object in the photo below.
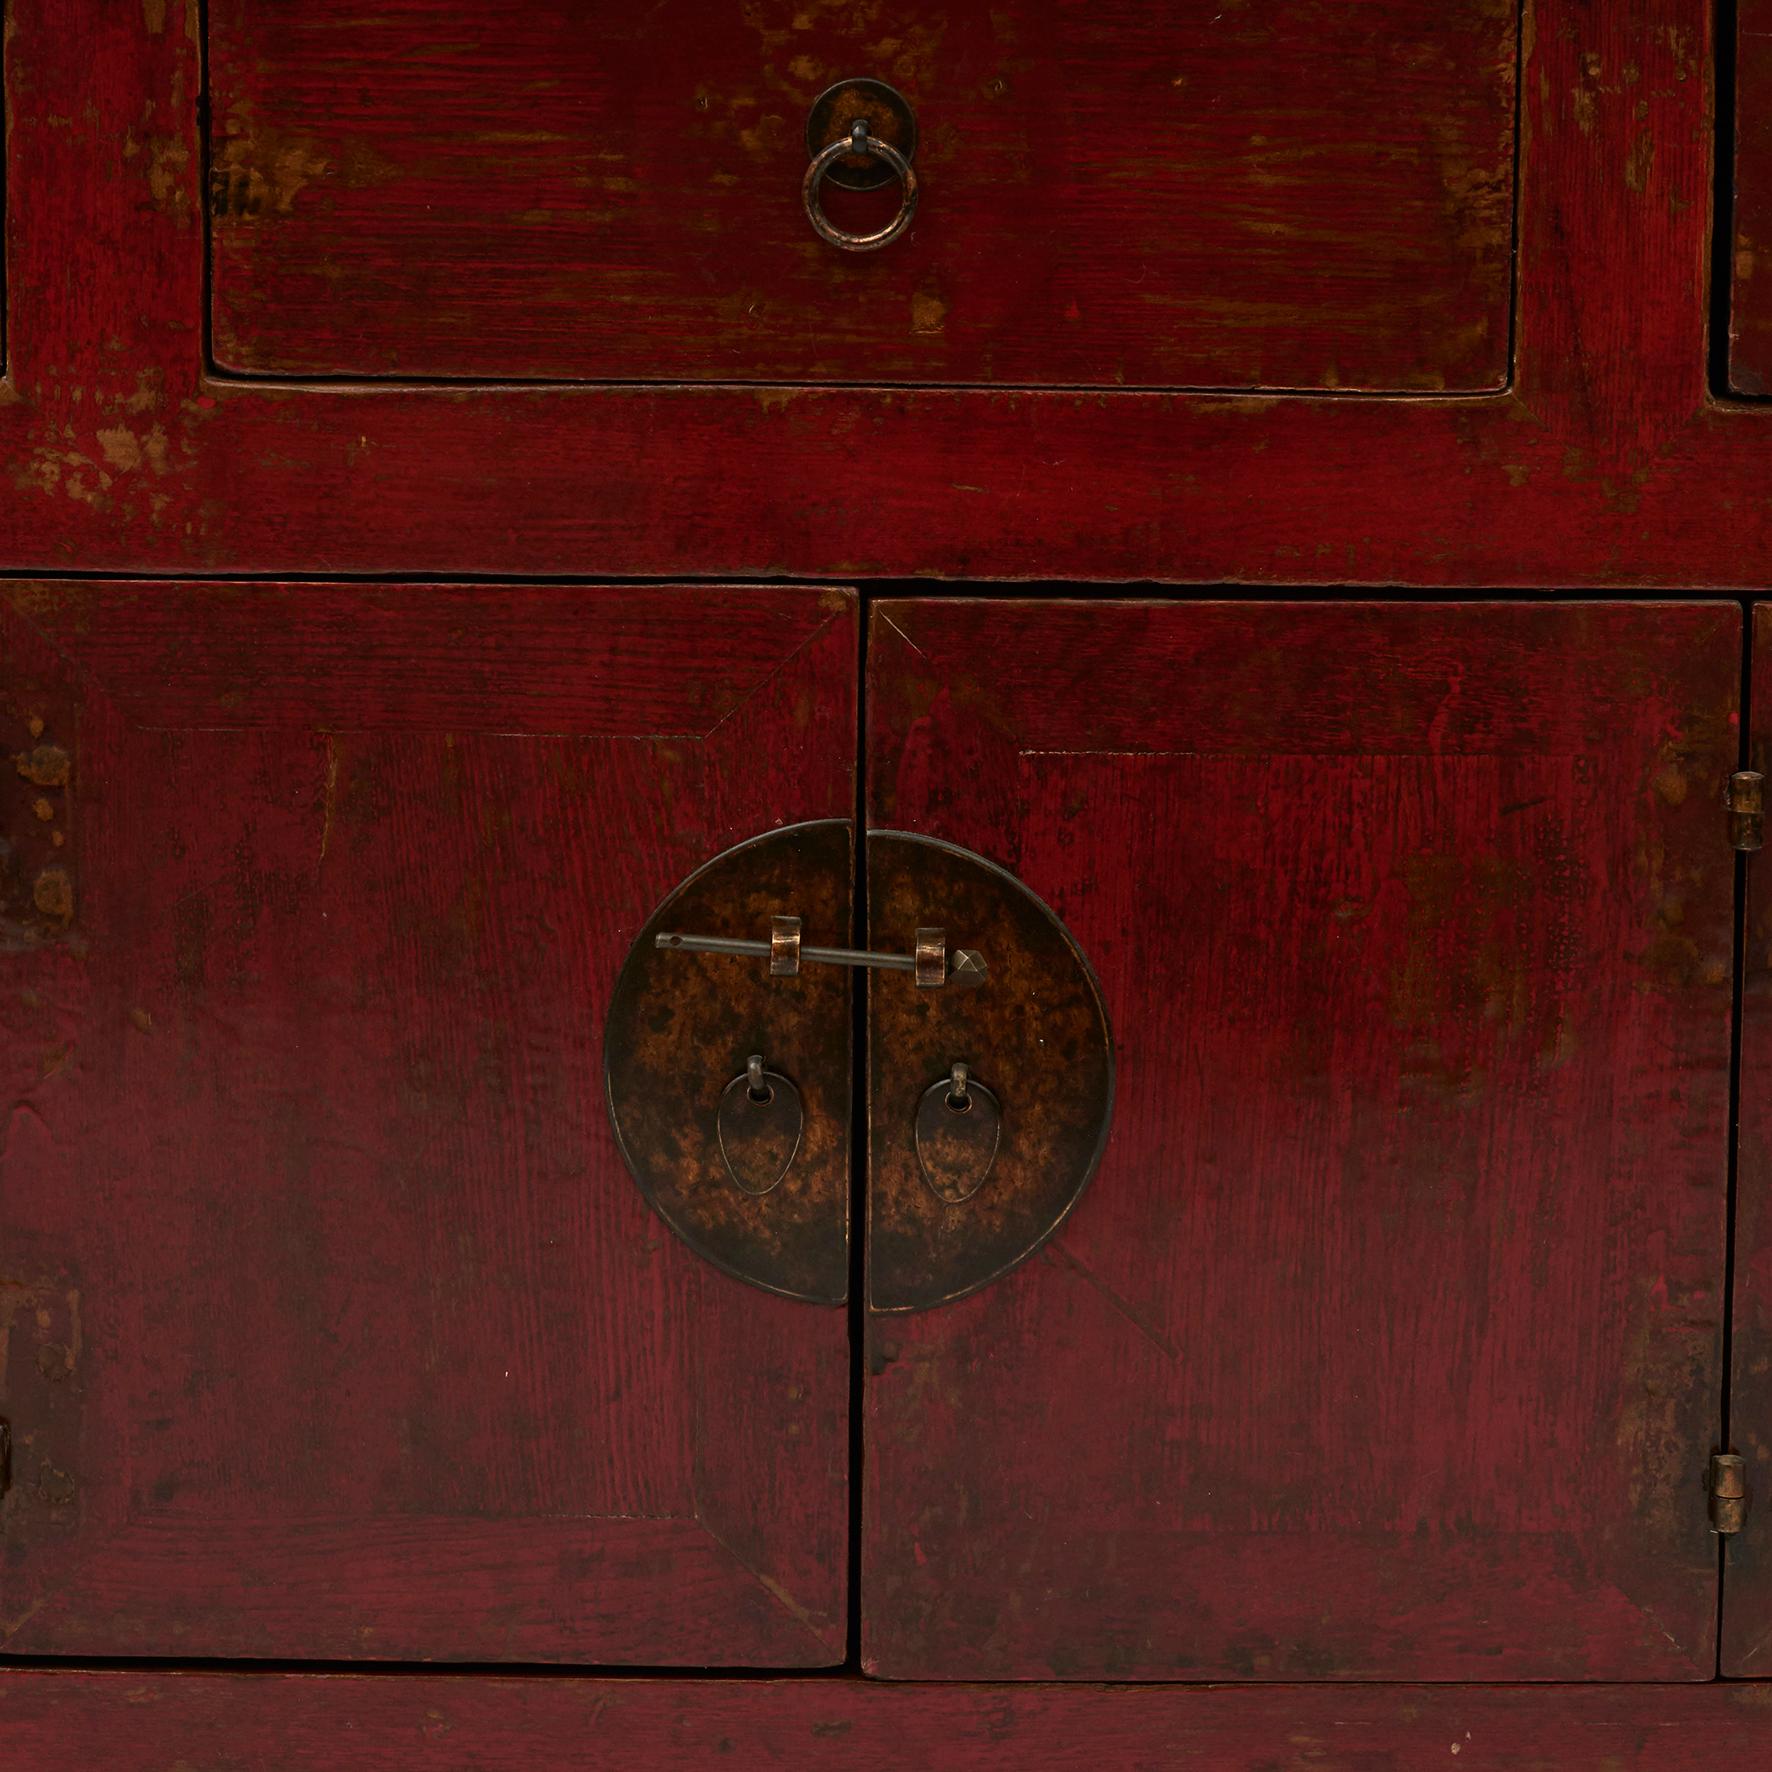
pixel 130 1722
pixel 1747 1573
pixel 332 1323
pixel 1606 463
pixel 1750 310
pixel 1313 194
pixel 1385 1343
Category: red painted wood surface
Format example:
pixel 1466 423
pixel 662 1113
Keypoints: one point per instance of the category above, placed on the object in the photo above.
pixel 1313 194
pixel 1750 313
pixel 1747 1573
pixel 333 1324
pixel 128 1722
pixel 1385 1343
pixel 1606 462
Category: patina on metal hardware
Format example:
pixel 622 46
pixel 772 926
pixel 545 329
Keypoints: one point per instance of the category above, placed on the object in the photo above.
pixel 1727 1483
pixel 786 953
pixel 760 1122
pixel 860 134
pixel 886 112
pixel 946 1214
pixel 747 1160
pixel 1745 802
pixel 677 1031
pixel 959 1122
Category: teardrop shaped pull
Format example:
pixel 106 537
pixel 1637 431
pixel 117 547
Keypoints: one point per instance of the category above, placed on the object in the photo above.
pixel 760 1121
pixel 958 1125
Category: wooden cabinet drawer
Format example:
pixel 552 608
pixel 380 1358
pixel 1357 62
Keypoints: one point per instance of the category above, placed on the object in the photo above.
pixel 1302 195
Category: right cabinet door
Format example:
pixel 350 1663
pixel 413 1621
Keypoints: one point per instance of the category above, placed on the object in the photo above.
pixel 1747 1572
pixel 1385 1342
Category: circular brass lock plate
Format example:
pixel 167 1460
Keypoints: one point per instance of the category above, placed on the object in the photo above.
pixel 887 115
pixel 682 1027
pixel 1009 997
pixel 1035 1034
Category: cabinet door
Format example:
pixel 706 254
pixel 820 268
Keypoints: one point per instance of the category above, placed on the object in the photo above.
pixel 1385 1341
pixel 1747 1571
pixel 331 1323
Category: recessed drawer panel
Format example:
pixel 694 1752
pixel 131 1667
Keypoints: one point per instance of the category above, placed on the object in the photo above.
pixel 1207 194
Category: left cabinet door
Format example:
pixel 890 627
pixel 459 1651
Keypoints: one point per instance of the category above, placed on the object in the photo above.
pixel 331 1323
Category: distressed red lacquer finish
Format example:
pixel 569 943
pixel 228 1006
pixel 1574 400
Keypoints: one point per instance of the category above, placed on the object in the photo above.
pixel 129 1722
pixel 1606 461
pixel 1750 314
pixel 333 1324
pixel 1747 1571
pixel 1316 193
pixel 1385 1342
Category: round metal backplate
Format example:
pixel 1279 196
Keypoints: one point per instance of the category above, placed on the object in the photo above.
pixel 680 1029
pixel 1036 1029
pixel 888 116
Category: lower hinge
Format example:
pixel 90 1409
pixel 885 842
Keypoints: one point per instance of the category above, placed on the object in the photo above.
pixel 1727 1482
pixel 1745 802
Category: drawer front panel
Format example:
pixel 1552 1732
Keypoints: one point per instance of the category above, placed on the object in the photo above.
pixel 1305 195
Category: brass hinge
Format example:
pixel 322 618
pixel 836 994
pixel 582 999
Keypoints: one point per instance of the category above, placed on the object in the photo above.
pixel 1745 803
pixel 1727 1482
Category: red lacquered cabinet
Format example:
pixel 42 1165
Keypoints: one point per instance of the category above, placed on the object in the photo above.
pixel 880 883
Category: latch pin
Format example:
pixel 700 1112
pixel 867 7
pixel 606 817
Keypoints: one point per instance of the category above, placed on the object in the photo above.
pixel 1727 1483
pixel 1745 802
pixel 785 954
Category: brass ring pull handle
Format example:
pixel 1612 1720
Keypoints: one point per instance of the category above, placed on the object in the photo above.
pixel 859 140
pixel 786 954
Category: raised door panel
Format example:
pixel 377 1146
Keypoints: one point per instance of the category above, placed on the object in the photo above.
pixel 1385 1342
pixel 1312 194
pixel 332 1323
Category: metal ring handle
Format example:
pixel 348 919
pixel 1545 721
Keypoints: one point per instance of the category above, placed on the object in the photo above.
pixel 859 140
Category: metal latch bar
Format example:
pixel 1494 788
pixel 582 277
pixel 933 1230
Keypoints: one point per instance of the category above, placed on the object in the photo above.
pixel 786 953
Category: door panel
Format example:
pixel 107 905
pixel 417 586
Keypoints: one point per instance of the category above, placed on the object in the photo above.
pixel 1385 1342
pixel 1293 195
pixel 1747 1572
pixel 333 1324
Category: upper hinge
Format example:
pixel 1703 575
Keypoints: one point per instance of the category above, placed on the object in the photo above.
pixel 1745 802
pixel 1727 1482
